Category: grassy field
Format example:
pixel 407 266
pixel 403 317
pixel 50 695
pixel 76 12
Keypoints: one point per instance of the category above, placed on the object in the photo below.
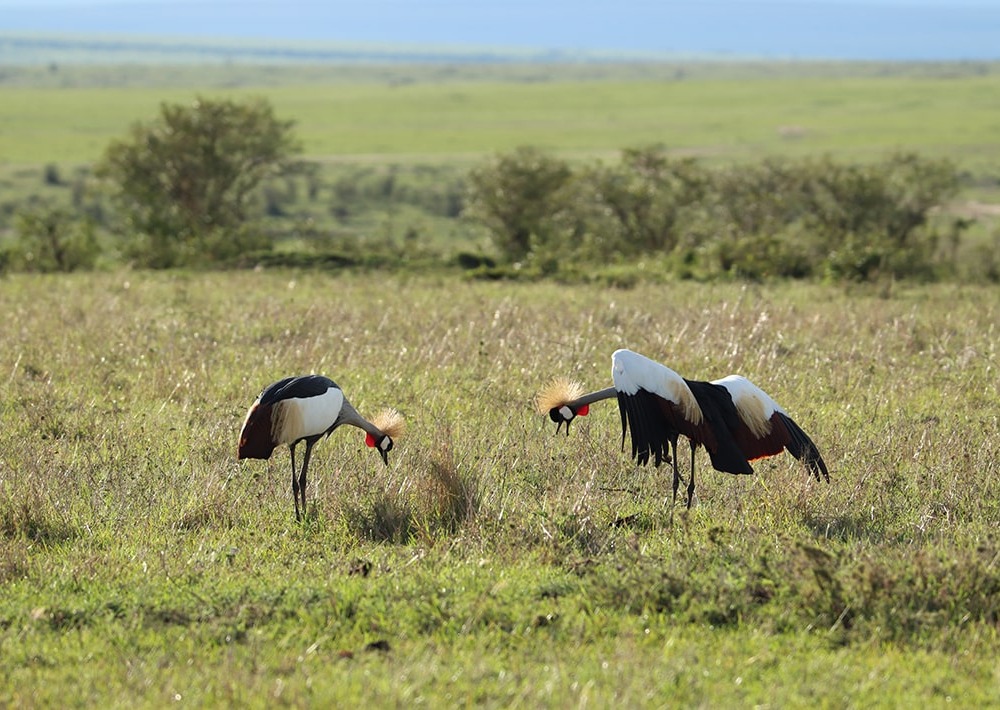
pixel 491 562
pixel 427 117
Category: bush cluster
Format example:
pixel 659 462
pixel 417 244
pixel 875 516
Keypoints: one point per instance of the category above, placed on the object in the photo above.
pixel 805 218
pixel 52 239
pixel 215 184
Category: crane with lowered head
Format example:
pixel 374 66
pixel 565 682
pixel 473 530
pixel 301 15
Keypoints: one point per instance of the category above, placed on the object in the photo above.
pixel 732 418
pixel 305 409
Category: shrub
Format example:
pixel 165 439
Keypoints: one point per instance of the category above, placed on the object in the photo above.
pixel 52 239
pixel 640 202
pixel 520 197
pixel 51 175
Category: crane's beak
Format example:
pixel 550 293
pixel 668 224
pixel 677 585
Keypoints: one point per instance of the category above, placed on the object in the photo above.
pixel 384 447
pixel 557 415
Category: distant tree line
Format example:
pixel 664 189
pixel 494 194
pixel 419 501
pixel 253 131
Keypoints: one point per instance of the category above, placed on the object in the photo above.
pixel 804 218
pixel 205 184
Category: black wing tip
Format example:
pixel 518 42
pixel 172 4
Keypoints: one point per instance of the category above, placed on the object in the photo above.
pixel 802 447
pixel 818 465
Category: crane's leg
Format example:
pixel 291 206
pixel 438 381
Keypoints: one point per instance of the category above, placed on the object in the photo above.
pixel 302 478
pixel 677 480
pixel 295 482
pixel 691 482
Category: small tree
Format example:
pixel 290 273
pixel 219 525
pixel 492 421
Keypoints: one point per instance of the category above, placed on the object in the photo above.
pixel 519 197
pixel 645 196
pixel 185 180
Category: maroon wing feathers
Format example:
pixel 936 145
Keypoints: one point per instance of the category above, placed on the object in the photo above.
pixel 769 445
pixel 255 438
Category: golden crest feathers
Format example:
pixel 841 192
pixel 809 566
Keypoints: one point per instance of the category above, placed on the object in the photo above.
pixel 390 422
pixel 556 393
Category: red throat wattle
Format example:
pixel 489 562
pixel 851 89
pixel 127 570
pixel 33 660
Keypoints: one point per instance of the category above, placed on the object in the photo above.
pixel 369 441
pixel 582 411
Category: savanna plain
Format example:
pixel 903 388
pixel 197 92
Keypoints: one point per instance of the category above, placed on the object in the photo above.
pixel 494 562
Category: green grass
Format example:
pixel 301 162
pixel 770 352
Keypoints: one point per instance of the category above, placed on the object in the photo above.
pixel 444 121
pixel 492 561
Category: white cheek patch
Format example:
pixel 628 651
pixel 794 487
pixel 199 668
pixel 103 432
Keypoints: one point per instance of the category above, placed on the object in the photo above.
pixel 385 444
pixel 566 413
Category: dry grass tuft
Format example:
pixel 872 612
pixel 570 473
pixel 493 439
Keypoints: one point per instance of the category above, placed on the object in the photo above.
pixel 556 393
pixel 31 518
pixel 453 496
pixel 206 514
pixel 391 422
pixel 13 560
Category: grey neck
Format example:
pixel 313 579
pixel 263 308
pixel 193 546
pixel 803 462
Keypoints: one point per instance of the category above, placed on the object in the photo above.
pixel 592 397
pixel 349 415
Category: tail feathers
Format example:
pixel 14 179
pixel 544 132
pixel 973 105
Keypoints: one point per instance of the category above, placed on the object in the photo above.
pixel 802 447
pixel 256 441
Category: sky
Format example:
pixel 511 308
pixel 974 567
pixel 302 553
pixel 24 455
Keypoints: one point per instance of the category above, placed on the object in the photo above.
pixel 608 5
pixel 821 29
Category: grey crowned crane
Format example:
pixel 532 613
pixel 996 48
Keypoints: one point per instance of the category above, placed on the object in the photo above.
pixel 733 419
pixel 305 409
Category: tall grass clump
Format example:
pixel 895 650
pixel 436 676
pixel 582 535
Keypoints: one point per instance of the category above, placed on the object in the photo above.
pixel 451 492
pixel 29 518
